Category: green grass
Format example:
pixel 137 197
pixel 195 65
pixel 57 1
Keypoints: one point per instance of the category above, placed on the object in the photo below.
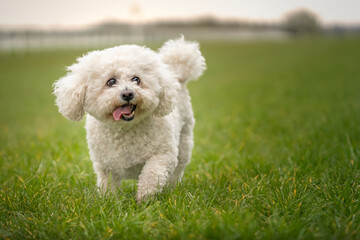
pixel 276 154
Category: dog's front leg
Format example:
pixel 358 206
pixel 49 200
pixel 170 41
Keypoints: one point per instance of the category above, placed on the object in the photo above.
pixel 107 182
pixel 155 174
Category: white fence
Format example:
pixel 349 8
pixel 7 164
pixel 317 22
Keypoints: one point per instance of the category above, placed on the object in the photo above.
pixel 23 41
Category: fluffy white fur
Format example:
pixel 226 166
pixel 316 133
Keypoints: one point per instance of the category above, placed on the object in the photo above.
pixel 156 145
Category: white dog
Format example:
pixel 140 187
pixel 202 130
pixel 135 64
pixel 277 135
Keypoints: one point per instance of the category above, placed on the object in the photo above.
pixel 139 117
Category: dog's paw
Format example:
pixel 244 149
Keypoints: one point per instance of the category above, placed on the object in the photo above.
pixel 142 197
pixel 145 195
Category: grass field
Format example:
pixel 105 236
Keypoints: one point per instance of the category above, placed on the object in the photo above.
pixel 276 154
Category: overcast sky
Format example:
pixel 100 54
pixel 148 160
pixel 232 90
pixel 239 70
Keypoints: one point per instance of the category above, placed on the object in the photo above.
pixel 73 13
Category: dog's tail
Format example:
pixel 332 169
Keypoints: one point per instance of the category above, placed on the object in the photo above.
pixel 184 58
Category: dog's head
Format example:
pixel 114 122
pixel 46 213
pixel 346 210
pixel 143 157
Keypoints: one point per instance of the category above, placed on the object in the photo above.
pixel 125 84
pixel 120 84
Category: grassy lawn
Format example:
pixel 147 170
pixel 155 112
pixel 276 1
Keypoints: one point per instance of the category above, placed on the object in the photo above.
pixel 276 154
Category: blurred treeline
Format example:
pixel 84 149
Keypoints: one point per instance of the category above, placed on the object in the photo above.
pixel 295 23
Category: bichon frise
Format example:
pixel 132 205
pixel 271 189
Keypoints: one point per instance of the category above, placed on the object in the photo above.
pixel 139 120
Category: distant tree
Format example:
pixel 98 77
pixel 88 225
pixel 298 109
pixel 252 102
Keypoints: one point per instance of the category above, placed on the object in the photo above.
pixel 301 21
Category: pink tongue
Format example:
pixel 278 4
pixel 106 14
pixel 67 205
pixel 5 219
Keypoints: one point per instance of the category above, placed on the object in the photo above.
pixel 118 112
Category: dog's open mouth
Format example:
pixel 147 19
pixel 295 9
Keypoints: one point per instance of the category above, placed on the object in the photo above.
pixel 125 112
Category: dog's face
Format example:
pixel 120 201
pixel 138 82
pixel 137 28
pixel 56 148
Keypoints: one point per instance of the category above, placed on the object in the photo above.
pixel 120 85
pixel 125 84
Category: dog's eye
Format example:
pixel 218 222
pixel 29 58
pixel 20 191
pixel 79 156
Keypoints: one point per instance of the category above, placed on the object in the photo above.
pixel 111 82
pixel 136 79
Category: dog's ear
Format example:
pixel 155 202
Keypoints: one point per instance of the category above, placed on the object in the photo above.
pixel 70 93
pixel 70 90
pixel 184 58
pixel 168 93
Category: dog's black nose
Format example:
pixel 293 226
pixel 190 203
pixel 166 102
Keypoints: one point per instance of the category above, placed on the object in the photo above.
pixel 127 95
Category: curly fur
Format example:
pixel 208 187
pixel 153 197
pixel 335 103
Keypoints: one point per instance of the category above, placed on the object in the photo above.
pixel 156 145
